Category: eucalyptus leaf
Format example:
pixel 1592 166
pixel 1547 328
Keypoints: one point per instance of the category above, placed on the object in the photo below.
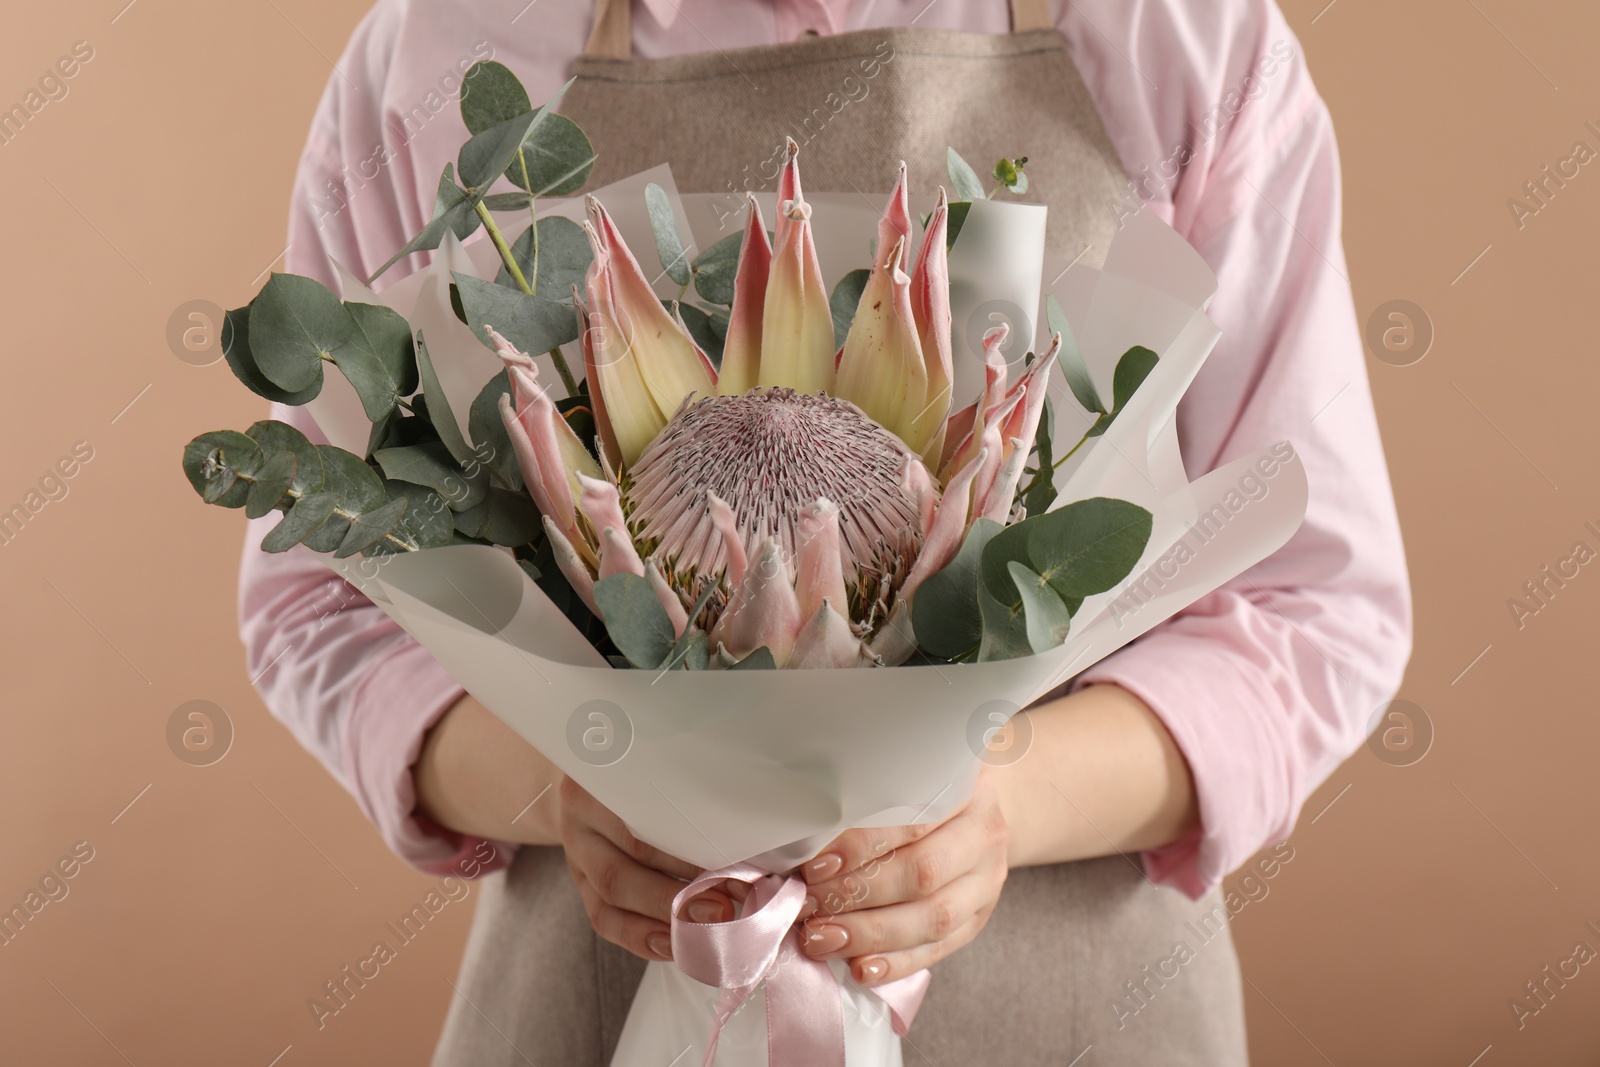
pixel 518 201
pixel 220 465
pixel 295 323
pixel 242 361
pixel 965 180
pixel 759 660
pixel 1005 630
pixel 490 95
pixel 956 218
pixel 355 486
pixel 504 518
pixel 454 211
pixel 1042 490
pixel 534 323
pixel 944 611
pixel 664 225
pixel 715 269
pixel 1088 546
pixel 635 619
pixel 1006 546
pixel 270 485
pixel 1070 358
pixel 555 161
pixel 1046 619
pixel 439 412
pixel 274 436
pixel 698 323
pixel 487 154
pixel 845 298
pixel 427 523
pixel 1132 369
pixel 371 527
pixel 380 360
pixel 300 522
pixel 433 466
pixel 492 448
pixel 563 258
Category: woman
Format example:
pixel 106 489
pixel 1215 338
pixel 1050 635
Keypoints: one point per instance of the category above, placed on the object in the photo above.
pixel 1195 746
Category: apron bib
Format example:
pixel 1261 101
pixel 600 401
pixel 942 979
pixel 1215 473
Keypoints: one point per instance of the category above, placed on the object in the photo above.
pixel 1078 954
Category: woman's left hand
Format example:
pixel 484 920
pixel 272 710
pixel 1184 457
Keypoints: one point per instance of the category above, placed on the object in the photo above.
pixel 893 900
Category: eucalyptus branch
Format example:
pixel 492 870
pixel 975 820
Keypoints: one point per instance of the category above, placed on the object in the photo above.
pixel 349 516
pixel 504 249
pixel 512 268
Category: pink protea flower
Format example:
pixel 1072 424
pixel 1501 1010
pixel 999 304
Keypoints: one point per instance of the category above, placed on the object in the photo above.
pixel 815 483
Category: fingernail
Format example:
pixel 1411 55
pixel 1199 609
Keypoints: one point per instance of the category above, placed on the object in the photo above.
pixel 824 938
pixel 660 944
pixel 824 867
pixel 705 911
pixel 808 907
pixel 874 969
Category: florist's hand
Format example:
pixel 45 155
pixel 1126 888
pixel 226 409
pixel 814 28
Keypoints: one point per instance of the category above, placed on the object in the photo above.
pixel 627 886
pixel 894 900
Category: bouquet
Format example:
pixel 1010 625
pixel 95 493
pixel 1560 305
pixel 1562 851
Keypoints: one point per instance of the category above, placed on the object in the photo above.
pixel 614 500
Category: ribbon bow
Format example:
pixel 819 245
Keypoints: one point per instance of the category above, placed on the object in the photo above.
pixel 805 1017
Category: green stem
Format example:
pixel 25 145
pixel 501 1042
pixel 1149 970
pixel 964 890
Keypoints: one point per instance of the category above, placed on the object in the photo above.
pixel 517 276
pixel 1025 490
pixel 561 368
pixel 504 249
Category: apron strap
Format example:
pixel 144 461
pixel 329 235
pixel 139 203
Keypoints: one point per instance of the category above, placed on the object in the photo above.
pixel 1031 15
pixel 612 35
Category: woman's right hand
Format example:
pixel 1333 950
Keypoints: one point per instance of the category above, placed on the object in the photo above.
pixel 627 886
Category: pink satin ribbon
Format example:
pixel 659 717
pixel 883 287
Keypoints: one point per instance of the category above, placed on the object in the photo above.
pixel 805 1016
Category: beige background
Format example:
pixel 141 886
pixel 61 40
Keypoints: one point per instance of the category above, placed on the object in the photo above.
pixel 1420 898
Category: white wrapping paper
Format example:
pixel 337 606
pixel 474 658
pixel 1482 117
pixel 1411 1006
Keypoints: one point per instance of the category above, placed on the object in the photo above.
pixel 768 767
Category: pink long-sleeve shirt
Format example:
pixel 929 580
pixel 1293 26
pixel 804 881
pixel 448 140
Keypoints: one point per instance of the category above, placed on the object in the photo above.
pixel 1266 684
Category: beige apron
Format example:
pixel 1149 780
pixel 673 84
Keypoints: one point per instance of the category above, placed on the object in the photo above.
pixel 1076 955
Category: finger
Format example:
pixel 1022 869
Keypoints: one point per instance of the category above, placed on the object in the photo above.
pixel 855 850
pixel 899 927
pixel 876 970
pixel 913 871
pixel 619 879
pixel 580 808
pixel 642 936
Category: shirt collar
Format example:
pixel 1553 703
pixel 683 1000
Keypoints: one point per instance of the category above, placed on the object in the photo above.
pixel 664 12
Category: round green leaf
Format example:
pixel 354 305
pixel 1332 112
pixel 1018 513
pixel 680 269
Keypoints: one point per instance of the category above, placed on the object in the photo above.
pixel 368 529
pixel 716 268
pixel 944 611
pixel 428 522
pixel 236 350
pixel 302 520
pixel 1086 547
pixel 635 619
pixel 555 160
pixel 220 465
pixel 490 95
pixel 274 436
pixel 296 322
pixel 271 484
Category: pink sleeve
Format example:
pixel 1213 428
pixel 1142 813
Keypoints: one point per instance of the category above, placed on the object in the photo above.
pixel 1269 683
pixel 352 687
